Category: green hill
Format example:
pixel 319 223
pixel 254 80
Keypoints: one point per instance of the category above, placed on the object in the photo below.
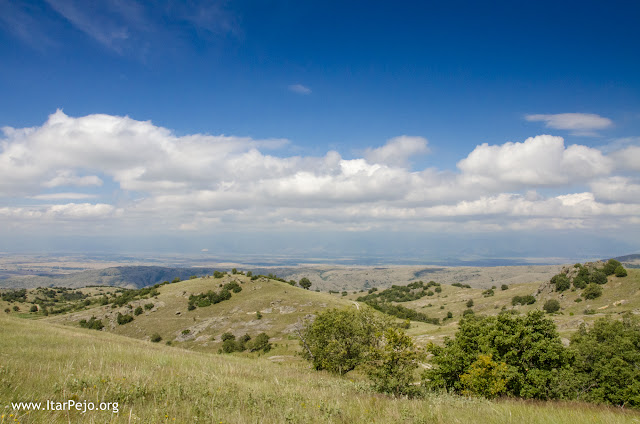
pixel 262 305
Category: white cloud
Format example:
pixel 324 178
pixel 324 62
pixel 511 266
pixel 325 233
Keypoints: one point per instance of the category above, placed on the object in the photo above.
pixel 150 178
pixel 628 158
pixel 538 161
pixel 578 123
pixel 63 196
pixel 397 151
pixel 616 189
pixel 299 89
pixel 68 211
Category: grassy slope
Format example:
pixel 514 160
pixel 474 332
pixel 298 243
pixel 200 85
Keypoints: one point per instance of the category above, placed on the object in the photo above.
pixel 155 383
pixel 619 295
pixel 280 304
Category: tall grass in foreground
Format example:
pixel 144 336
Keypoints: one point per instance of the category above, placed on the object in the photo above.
pixel 159 384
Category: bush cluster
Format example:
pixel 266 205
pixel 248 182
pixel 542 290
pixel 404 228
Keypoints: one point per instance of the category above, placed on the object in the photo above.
pixel 93 323
pixel 412 291
pixel 523 300
pixel 259 344
pixel 211 297
pixel 401 312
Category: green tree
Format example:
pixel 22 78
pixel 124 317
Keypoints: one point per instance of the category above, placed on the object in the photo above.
pixel 598 277
pixel 260 343
pixel 338 339
pixel 305 283
pixel 593 291
pixel 529 345
pixel 620 271
pixel 610 267
pixel 551 306
pixel 485 378
pixel 607 361
pixel 391 364
pixel 470 303
pixel 561 282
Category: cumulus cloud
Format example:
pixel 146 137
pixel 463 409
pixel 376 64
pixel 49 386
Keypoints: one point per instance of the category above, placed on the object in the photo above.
pixel 628 158
pixel 397 151
pixel 299 89
pixel 538 161
pixel 146 176
pixel 585 124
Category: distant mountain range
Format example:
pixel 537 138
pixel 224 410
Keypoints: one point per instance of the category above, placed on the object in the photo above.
pixel 121 276
pixel 138 276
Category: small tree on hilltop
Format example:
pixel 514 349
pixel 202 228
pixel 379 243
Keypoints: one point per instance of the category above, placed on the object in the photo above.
pixel 305 283
pixel 620 271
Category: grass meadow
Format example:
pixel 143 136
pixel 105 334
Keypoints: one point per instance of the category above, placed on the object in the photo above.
pixel 155 383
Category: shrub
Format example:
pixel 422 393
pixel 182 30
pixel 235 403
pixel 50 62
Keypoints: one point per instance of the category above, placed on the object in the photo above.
pixel 592 291
pixel 523 300
pixel 156 338
pixel 620 271
pixel 228 336
pixel 34 308
pixel 7 311
pixel 551 306
pixel 229 346
pixel 148 306
pixel 579 282
pixel 470 303
pixel 438 289
pixel 449 315
pixel 504 287
pixel 138 311
pixel 93 323
pixel 392 364
pixel 610 267
pixel 185 332
pixel 467 312
pixel 258 315
pixel 598 277
pixel 16 308
pixel 260 343
pixel 485 378
pixel 488 293
pixel 561 281
pixel 124 319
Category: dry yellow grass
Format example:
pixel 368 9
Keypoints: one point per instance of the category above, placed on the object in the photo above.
pixel 159 384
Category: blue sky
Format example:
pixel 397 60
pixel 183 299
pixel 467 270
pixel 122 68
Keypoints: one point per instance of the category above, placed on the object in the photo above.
pixel 367 121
